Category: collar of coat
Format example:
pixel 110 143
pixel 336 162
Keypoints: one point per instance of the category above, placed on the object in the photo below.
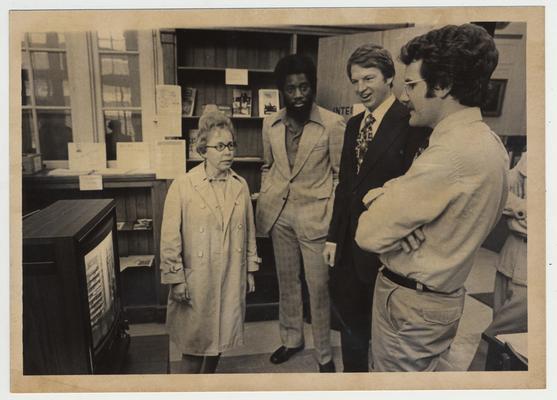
pixel 314 116
pixel 198 174
pixel 200 183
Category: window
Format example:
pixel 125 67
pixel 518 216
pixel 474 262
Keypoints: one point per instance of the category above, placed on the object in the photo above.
pixel 46 105
pixel 120 88
pixel 86 87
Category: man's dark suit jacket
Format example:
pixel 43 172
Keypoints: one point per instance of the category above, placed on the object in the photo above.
pixel 389 155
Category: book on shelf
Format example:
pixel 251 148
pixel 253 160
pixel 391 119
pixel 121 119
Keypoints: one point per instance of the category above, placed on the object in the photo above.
pixel 136 261
pixel 226 110
pixel 268 101
pixel 192 145
pixel 188 101
pixel 241 103
pixel 143 224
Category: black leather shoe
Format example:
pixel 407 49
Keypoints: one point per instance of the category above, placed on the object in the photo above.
pixel 283 354
pixel 328 367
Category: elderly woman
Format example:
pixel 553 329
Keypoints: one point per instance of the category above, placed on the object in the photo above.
pixel 208 251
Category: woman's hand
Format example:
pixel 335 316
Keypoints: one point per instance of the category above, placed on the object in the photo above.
pixel 251 283
pixel 180 293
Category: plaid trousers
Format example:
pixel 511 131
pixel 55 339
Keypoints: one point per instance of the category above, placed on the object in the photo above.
pixel 291 246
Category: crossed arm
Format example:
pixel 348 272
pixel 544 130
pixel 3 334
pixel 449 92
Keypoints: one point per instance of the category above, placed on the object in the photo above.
pixel 398 210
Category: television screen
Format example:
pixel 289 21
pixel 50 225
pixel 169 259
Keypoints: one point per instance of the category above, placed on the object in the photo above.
pixel 101 287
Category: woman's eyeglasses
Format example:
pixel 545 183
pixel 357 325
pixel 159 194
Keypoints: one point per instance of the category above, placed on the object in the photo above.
pixel 221 146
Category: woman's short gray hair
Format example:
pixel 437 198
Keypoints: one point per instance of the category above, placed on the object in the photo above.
pixel 207 124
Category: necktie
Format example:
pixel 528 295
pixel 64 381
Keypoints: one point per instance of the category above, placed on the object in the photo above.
pixel 364 138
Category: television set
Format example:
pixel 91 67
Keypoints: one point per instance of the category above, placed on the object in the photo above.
pixel 73 321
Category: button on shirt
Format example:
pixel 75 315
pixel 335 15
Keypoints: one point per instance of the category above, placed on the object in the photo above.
pixel 455 191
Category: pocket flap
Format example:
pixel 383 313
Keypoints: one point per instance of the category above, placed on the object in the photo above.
pixel 324 192
pixel 443 316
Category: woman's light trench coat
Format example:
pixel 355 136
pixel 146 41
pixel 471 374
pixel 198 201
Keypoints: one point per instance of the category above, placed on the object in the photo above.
pixel 212 252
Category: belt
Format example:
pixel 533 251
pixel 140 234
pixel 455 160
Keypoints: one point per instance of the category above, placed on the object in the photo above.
pixel 407 282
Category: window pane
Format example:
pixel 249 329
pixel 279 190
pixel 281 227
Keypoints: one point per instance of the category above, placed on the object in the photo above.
pixel 51 40
pixel 50 74
pixel 55 131
pixel 120 81
pixel 28 141
pixel 122 41
pixel 121 126
pixel 25 84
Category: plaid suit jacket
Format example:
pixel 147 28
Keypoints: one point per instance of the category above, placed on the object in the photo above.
pixel 313 178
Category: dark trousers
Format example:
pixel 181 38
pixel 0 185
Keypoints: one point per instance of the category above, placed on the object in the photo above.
pixel 352 300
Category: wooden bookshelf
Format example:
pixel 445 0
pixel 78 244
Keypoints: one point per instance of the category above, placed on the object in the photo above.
pixel 137 196
pixel 231 48
pixel 202 59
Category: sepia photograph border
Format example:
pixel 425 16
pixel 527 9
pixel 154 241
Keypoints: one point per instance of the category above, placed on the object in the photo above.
pixel 71 20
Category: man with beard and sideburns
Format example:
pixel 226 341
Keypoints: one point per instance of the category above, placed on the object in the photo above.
pixel 454 193
pixel 301 154
pixel 378 145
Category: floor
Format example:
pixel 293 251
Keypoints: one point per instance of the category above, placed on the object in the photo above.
pixel 262 338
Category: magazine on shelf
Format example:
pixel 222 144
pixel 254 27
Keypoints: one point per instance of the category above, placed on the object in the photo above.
pixel 241 103
pixel 188 101
pixel 192 145
pixel 268 101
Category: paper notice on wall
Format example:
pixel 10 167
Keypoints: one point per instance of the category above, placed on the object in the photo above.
pixel 170 158
pixel 90 182
pixel 169 99
pixel 167 126
pixel 235 76
pixel 86 156
pixel 169 111
pixel 133 155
